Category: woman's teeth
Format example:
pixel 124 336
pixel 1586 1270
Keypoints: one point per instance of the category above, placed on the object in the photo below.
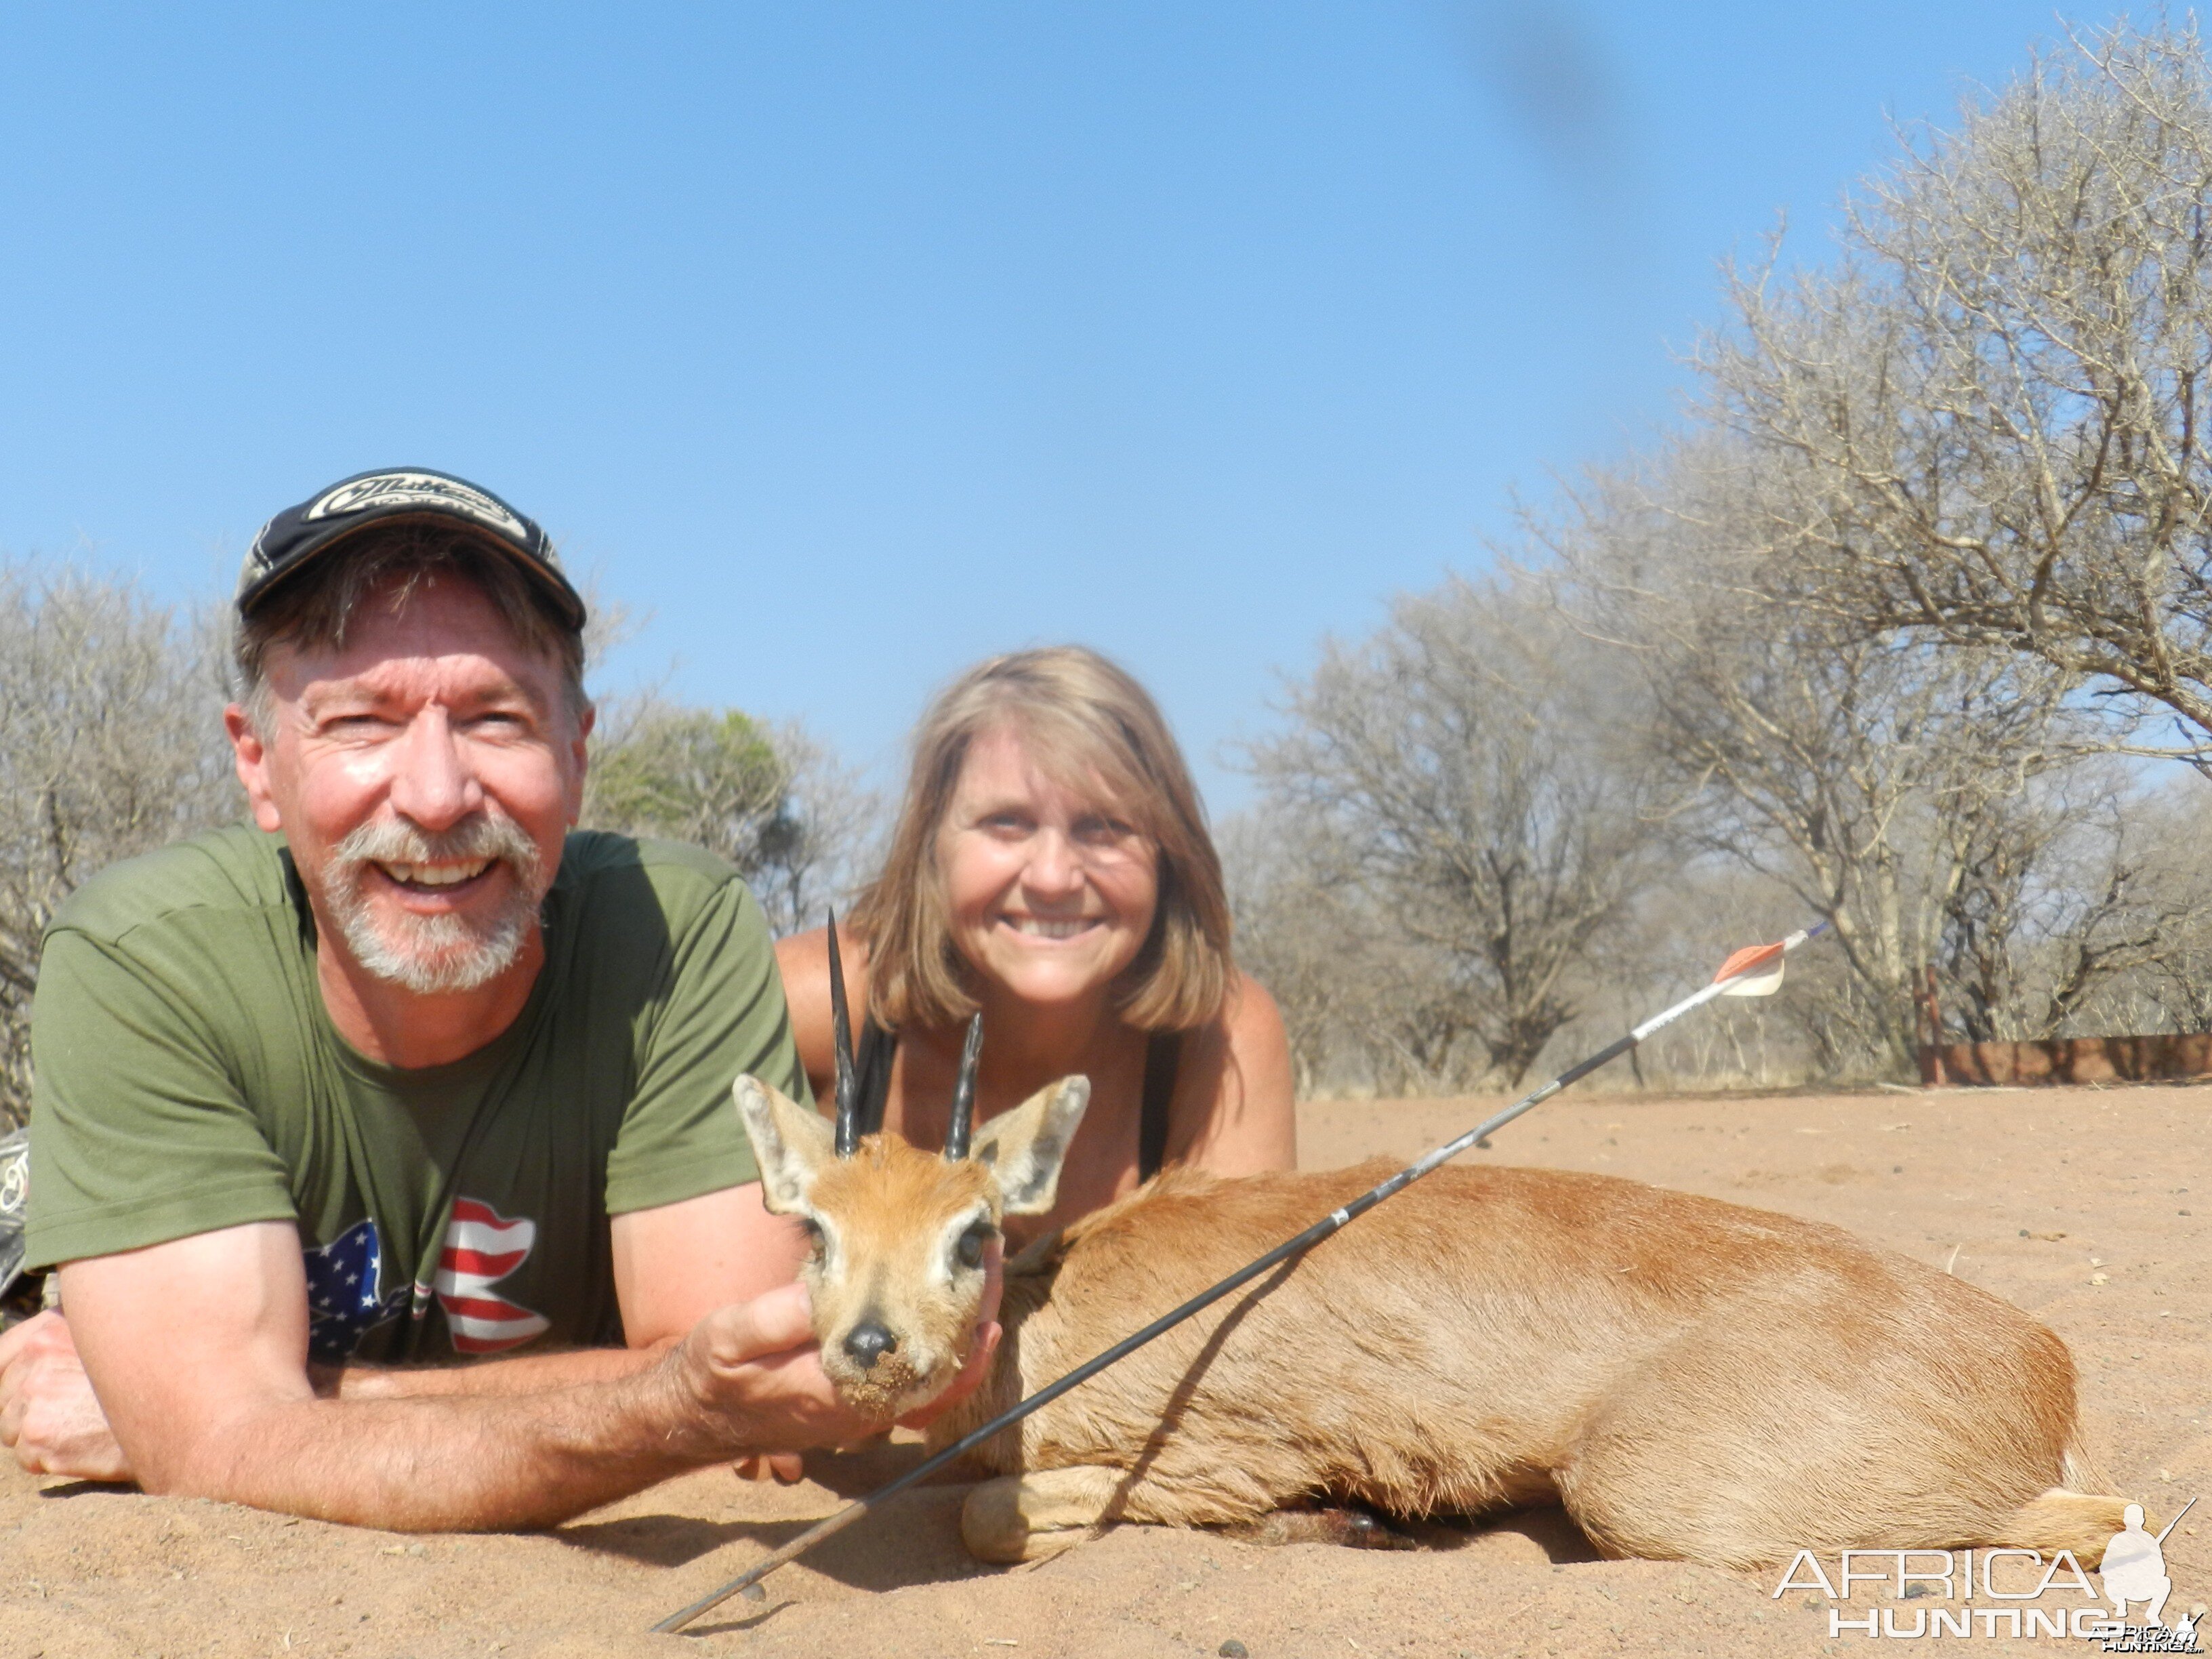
pixel 1038 927
pixel 434 875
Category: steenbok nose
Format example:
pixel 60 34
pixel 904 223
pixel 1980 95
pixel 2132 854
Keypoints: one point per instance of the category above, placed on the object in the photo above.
pixel 867 1342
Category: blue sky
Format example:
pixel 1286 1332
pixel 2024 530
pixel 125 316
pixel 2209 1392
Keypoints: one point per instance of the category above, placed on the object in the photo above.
pixel 847 343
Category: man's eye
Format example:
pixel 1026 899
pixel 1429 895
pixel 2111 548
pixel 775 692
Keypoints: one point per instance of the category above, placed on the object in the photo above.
pixel 974 1242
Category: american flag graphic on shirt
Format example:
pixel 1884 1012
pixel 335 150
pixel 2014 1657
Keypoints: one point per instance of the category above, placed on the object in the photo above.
pixel 482 1247
pixel 343 1302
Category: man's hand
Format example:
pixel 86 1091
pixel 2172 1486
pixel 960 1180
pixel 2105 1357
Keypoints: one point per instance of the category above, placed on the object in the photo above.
pixel 749 1373
pixel 49 1416
pixel 757 1364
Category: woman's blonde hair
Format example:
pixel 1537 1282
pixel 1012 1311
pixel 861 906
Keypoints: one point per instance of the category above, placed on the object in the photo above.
pixel 1088 725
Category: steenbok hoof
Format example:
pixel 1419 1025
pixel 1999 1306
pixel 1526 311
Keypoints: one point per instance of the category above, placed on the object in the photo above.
pixel 1028 1517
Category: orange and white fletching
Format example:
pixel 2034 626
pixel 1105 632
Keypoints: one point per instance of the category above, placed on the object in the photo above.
pixel 1761 968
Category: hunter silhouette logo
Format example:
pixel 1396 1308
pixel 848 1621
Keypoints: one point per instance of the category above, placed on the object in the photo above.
pixel 2135 1570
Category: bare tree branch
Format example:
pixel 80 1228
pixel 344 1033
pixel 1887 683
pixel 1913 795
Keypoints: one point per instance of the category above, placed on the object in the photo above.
pixel 110 743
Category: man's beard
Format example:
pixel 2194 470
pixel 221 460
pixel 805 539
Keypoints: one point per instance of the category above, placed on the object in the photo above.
pixel 435 955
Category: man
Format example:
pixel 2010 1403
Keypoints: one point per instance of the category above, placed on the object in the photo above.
pixel 408 1074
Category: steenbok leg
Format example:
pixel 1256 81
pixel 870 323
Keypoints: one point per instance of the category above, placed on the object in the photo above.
pixel 1023 1517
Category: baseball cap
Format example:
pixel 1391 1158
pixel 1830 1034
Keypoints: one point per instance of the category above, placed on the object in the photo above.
pixel 300 533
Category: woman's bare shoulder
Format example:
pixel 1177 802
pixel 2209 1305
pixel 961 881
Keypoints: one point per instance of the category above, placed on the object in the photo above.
pixel 1251 1022
pixel 1248 1031
pixel 1235 1100
pixel 803 959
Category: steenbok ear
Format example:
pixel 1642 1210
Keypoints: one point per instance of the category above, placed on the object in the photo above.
pixel 790 1143
pixel 1026 1146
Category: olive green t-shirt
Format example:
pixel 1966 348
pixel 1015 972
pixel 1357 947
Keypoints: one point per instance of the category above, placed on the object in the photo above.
pixel 187 1078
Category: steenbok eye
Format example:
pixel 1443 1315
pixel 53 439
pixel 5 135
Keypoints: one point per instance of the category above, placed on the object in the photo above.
pixel 972 1243
pixel 814 1243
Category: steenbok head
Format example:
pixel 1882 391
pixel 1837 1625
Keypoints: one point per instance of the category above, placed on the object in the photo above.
pixel 899 1235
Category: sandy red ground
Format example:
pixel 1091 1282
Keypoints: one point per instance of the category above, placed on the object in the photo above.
pixel 2076 1205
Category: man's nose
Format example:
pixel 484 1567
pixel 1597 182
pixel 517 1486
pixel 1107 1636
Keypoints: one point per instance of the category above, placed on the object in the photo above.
pixel 433 785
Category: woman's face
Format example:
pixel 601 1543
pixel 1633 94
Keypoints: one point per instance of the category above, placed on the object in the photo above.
pixel 1052 891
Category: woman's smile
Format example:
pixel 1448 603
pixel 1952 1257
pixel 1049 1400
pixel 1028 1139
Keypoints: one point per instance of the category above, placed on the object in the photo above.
pixel 1051 893
pixel 1053 928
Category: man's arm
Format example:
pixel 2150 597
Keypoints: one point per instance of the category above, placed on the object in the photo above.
pixel 52 1421
pixel 674 1265
pixel 677 1262
pixel 197 1348
pixel 669 1263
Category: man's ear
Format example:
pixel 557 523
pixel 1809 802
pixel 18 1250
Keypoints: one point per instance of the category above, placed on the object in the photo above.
pixel 1026 1146
pixel 790 1144
pixel 580 760
pixel 250 753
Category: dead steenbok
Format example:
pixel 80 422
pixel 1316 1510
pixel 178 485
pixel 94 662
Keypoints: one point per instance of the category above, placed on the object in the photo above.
pixel 1690 1379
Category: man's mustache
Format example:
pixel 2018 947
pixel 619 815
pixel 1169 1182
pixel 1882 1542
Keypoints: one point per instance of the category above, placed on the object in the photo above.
pixel 481 835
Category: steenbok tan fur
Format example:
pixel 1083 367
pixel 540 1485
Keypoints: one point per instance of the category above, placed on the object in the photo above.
pixel 1689 1379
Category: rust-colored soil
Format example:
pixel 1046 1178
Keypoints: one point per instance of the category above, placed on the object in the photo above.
pixel 2075 1204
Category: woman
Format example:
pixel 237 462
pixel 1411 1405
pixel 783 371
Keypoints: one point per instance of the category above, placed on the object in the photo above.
pixel 1051 868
